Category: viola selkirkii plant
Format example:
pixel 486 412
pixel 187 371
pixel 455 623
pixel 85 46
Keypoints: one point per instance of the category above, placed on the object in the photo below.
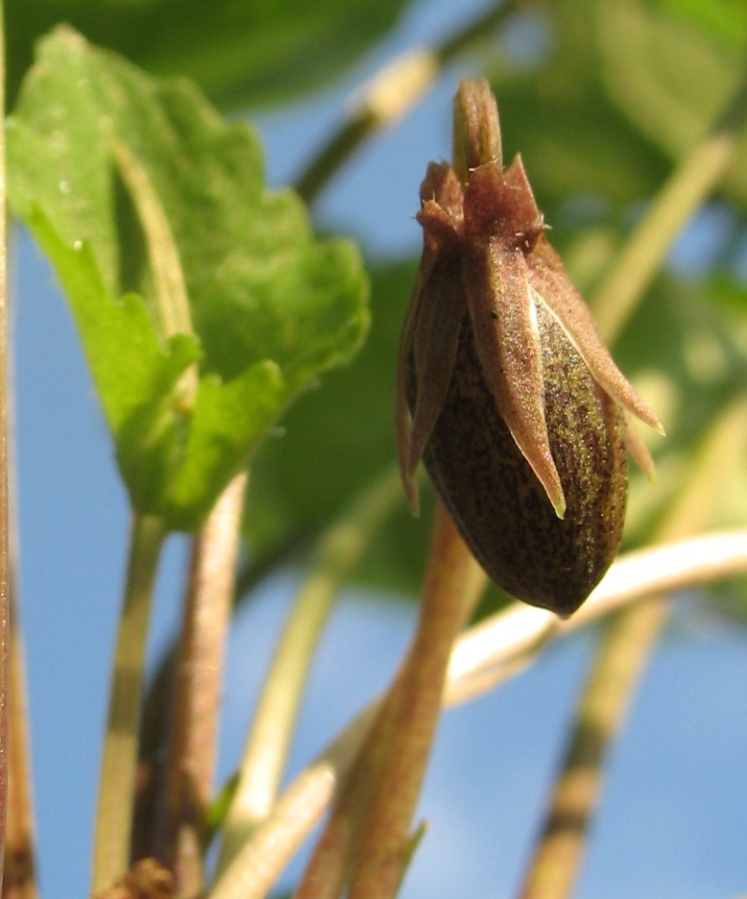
pixel 505 389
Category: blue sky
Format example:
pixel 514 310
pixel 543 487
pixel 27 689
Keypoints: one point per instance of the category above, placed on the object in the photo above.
pixel 673 816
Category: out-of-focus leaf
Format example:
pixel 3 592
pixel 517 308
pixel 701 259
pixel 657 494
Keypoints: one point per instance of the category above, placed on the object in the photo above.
pixel 723 20
pixel 335 440
pixel 623 88
pixel 241 52
pixel 556 113
pixel 687 352
pixel 271 306
pixel 671 77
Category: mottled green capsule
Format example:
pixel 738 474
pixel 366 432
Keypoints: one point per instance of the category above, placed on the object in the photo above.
pixel 505 389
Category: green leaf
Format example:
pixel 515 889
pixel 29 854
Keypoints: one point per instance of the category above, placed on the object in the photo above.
pixel 229 419
pixel 128 364
pixel 240 52
pixel 271 307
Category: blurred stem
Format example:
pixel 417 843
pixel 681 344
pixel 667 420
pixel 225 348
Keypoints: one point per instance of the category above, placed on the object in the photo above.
pixel 390 95
pixel 337 552
pixel 618 665
pixel 631 636
pixel 181 834
pixel 484 656
pixel 694 178
pixel 503 644
pixel 155 731
pixel 6 520
pixel 20 877
pixel 117 777
pixel 365 840
pixel 624 650
pixel 172 312
pixel 255 869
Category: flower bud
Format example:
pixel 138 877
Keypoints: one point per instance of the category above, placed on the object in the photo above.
pixel 505 389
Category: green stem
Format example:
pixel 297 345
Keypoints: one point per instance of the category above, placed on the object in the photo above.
pixel 338 551
pixel 117 778
pixel 694 178
pixel 393 91
pixel 255 870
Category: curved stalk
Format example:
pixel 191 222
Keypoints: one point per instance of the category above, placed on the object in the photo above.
pixel 501 645
pixel 453 585
pixel 117 778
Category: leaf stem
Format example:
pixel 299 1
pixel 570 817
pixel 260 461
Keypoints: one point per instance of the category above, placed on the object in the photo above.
pixel 693 179
pixel 393 91
pixel 181 834
pixel 117 778
pixel 337 552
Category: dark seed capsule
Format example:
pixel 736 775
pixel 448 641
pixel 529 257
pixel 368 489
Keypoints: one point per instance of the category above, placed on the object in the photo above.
pixel 494 497
pixel 504 387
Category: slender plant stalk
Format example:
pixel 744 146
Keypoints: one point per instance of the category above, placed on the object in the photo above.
pixel 484 656
pixel 453 584
pixel 623 653
pixel 691 182
pixel 338 551
pixel 275 841
pixel 497 648
pixel 19 881
pixel 6 520
pixel 181 834
pixel 156 724
pixel 625 648
pixel 117 779
pixel 172 313
pixel 390 94
pixel 365 840
pixel 632 635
